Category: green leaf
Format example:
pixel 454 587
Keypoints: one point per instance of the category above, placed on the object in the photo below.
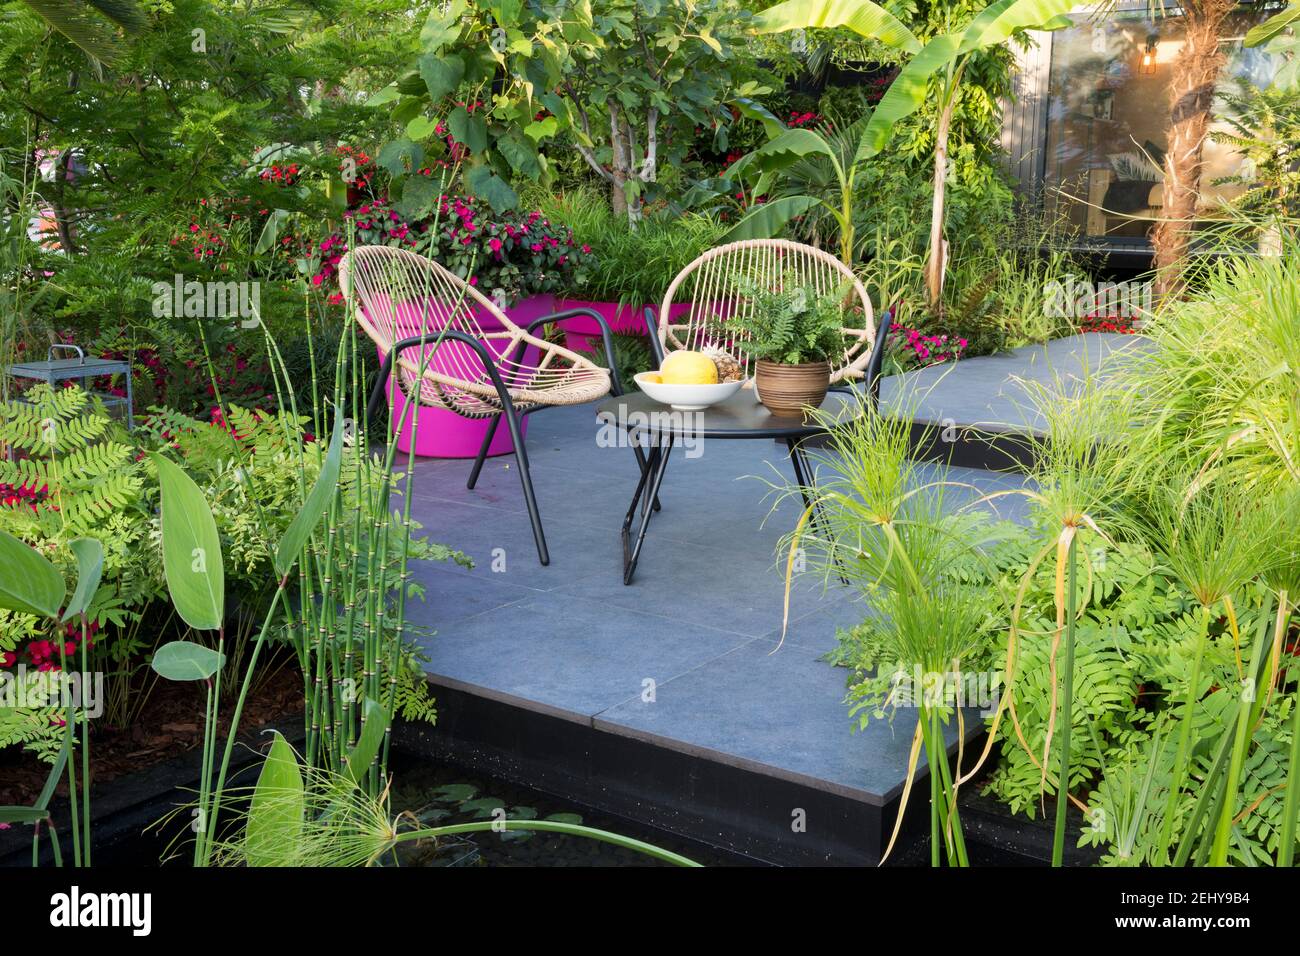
pixel 767 220
pixel 90 566
pixel 421 127
pixel 752 109
pixel 483 807
pixel 785 150
pixel 383 97
pixel 520 154
pixel 997 22
pixel 442 26
pixel 186 661
pixel 374 724
pixel 191 549
pixel 275 816
pixel 469 131
pixel 418 195
pixel 796 143
pixel 395 155
pixel 456 792
pixel 55 774
pixel 538 130
pixel 484 184
pixel 441 74
pixel 270 231
pixel 574 818
pixel 861 16
pixel 1273 26
pixel 29 584
pixel 317 500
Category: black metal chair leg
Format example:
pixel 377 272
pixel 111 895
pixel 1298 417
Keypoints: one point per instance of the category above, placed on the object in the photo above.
pixel 482 452
pixel 508 409
pixel 525 477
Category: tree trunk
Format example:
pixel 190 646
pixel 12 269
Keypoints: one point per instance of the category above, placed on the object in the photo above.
pixel 1191 98
pixel 620 164
pixel 62 217
pixel 935 266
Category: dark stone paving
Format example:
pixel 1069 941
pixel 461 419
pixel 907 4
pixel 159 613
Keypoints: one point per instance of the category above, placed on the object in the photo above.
pixel 990 392
pixel 700 623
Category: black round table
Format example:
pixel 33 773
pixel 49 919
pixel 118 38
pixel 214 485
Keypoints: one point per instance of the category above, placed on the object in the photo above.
pixel 647 422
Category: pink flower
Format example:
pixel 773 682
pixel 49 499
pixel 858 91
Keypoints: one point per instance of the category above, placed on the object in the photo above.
pixel 494 245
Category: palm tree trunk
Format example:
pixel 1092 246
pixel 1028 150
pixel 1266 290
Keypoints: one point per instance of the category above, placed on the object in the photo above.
pixel 1191 97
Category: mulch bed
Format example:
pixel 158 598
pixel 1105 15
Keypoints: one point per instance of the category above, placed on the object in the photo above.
pixel 170 724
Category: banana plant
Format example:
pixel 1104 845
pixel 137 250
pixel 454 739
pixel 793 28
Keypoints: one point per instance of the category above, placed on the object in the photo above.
pixel 938 63
pixel 803 159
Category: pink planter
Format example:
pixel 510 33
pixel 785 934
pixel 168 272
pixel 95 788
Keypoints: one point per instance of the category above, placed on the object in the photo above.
pixel 584 334
pixel 444 434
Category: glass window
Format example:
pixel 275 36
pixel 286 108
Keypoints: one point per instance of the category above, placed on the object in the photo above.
pixel 1108 120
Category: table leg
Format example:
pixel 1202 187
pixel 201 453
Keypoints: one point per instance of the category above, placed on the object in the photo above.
pixel 647 491
pixel 640 457
pixel 803 473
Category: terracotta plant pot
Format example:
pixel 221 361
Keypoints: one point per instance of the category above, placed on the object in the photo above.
pixel 785 389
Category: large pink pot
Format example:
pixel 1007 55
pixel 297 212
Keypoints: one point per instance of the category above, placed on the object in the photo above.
pixel 584 334
pixel 444 434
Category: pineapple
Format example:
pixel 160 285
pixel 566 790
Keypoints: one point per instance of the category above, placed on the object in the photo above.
pixel 728 368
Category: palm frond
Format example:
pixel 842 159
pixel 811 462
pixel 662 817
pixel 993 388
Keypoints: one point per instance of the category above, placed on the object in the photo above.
pixel 92 25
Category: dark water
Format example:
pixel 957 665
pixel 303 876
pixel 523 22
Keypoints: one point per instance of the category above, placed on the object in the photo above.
pixel 441 795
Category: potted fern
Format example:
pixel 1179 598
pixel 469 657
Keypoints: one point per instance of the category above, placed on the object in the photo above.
pixel 792 333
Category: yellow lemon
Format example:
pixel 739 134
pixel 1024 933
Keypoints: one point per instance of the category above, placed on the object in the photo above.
pixel 688 368
pixel 654 378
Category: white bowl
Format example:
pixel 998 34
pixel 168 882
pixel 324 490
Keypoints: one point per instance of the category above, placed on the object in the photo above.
pixel 687 398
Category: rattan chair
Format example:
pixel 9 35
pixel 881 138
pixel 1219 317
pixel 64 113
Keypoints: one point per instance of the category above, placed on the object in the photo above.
pixel 427 324
pixel 710 284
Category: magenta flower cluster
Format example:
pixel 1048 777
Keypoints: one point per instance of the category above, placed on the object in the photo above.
pixel 920 349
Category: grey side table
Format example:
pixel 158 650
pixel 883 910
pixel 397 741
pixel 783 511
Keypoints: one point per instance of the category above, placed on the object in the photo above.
pixel 80 368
